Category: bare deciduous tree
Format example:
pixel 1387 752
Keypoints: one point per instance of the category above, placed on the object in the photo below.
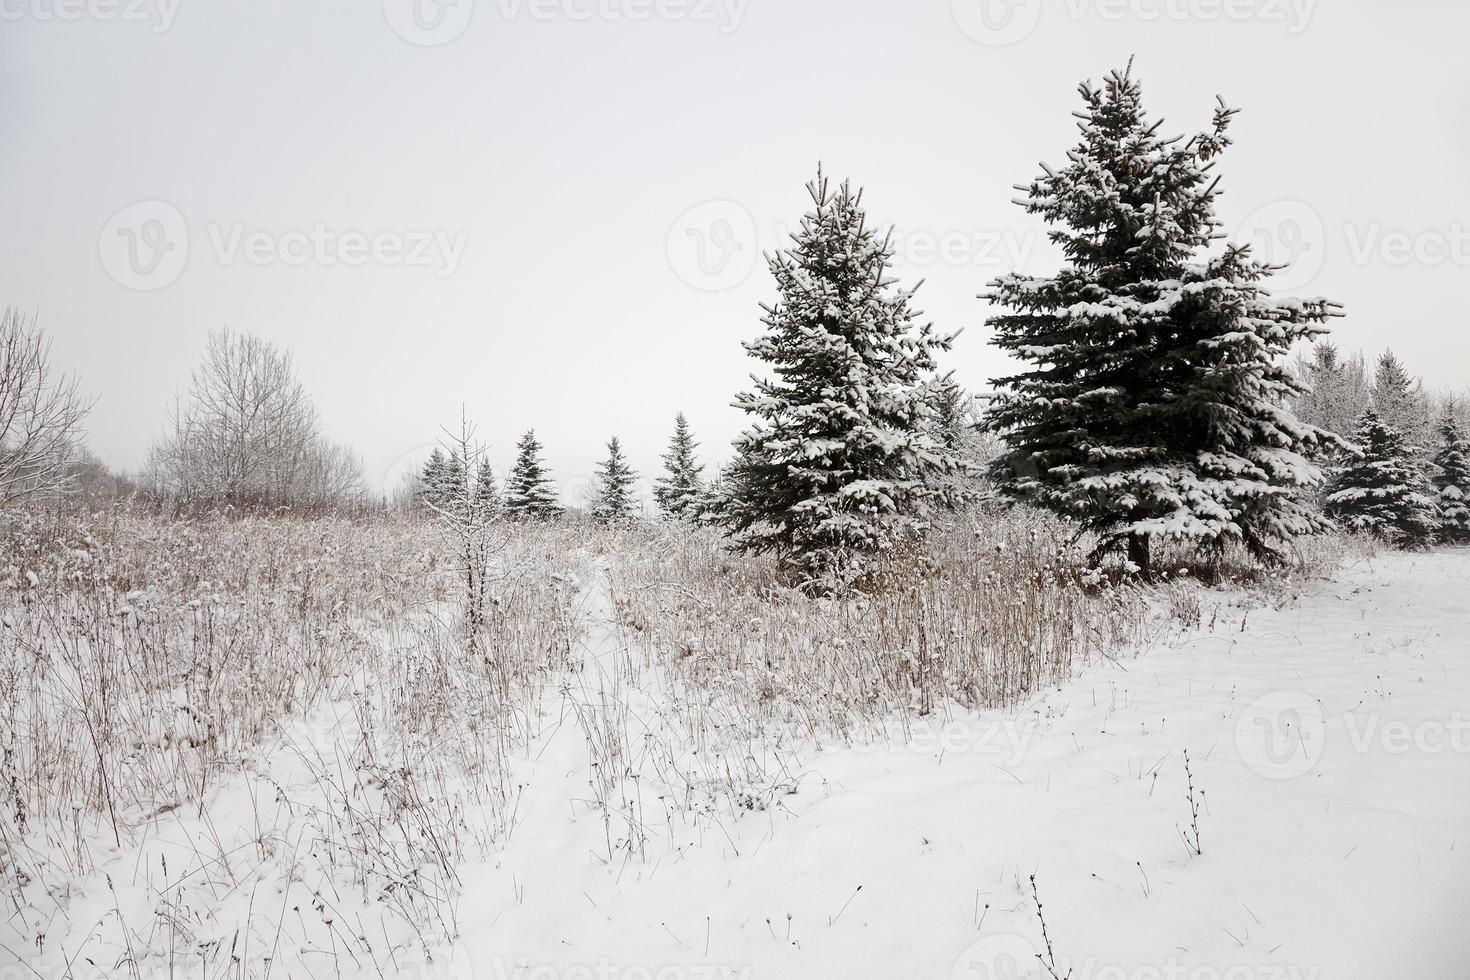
pixel 40 415
pixel 247 432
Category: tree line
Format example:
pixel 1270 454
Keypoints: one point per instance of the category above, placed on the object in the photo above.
pixel 1406 477
pixel 530 493
pixel 1154 398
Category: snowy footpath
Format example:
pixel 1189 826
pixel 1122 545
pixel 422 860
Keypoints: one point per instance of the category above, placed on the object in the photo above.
pixel 1329 752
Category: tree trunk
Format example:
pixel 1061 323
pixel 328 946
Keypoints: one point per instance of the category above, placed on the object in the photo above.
pixel 1138 554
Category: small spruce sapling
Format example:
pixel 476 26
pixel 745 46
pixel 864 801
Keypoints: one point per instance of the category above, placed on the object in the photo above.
pixel 679 490
pixel 612 501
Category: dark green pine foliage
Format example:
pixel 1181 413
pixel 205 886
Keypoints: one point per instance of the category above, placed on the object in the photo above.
pixel 1383 491
pixel 678 491
pixel 1452 461
pixel 841 464
pixel 529 493
pixel 613 501
pixel 487 494
pixel 1155 403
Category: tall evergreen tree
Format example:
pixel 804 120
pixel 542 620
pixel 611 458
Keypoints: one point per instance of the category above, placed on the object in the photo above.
pixel 680 487
pixel 613 501
pixel 1453 479
pixel 1156 401
pixel 528 490
pixel 1383 491
pixel 841 463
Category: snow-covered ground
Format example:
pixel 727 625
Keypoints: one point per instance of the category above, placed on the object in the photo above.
pixel 1327 739
pixel 1330 752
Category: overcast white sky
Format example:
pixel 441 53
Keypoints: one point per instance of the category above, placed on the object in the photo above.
pixel 547 168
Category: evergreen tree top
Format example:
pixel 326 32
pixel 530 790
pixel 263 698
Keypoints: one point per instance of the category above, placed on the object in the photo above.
pixel 1325 357
pixel 840 323
pixel 1376 436
pixel 1391 374
pixel 1130 202
pixel 527 445
pixel 614 449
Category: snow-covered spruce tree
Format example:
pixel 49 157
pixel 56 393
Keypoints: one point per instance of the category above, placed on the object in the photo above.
pixel 1400 401
pixel 612 502
pixel 841 464
pixel 454 484
pixel 954 418
pixel 432 477
pixel 528 490
pixel 708 505
pixel 1383 491
pixel 1155 405
pixel 960 429
pixel 443 479
pixel 487 494
pixel 1452 459
pixel 679 489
